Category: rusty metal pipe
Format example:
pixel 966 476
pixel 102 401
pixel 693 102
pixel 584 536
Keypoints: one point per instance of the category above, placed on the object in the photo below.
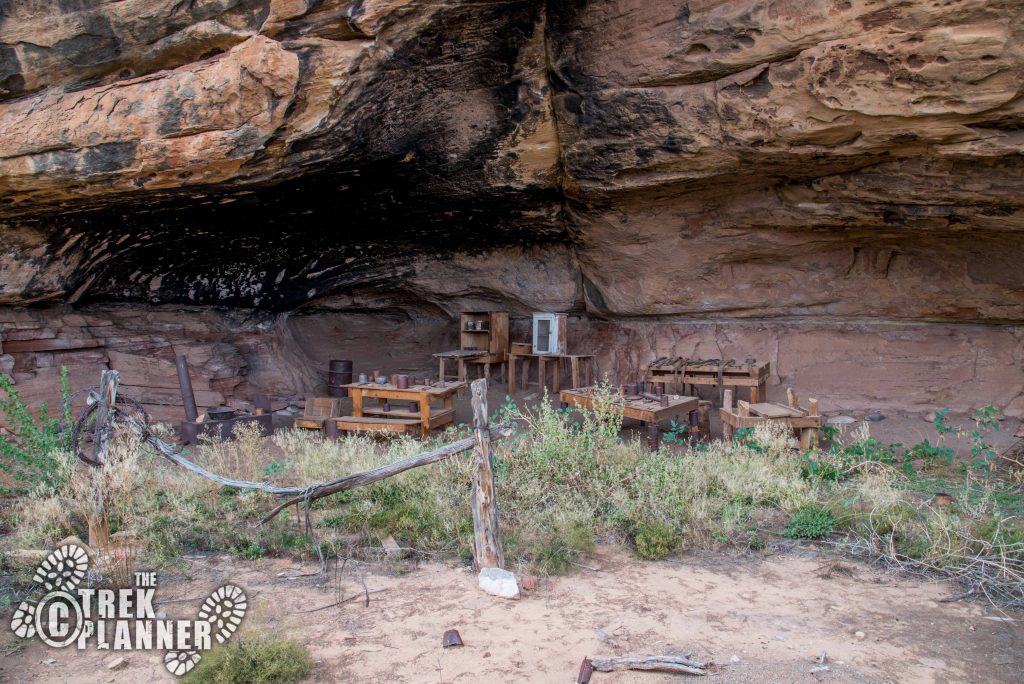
pixel 188 397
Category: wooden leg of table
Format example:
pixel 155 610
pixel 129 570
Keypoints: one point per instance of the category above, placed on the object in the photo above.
pixel 805 438
pixel 425 415
pixel 587 367
pixel 357 402
pixel 542 374
pixel 574 371
pixel 755 394
pixel 511 374
pixel 501 370
pixel 462 370
pixel 440 369
pixel 487 373
pixel 727 432
pixel 556 382
pixel 526 373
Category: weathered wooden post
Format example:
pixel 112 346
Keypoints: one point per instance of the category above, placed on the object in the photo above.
pixel 487 549
pixel 704 420
pixel 99 524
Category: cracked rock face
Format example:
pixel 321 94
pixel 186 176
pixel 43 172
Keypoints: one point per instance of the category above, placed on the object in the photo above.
pixel 826 162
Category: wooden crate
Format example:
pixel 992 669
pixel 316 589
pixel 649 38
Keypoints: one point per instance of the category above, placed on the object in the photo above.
pixel 710 372
pixel 806 422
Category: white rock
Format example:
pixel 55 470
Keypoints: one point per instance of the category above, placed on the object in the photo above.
pixel 734 659
pixel 859 634
pixel 498 582
pixel 116 664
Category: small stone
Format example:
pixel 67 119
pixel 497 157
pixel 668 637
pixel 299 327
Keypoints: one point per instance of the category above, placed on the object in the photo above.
pixel 929 417
pixel 820 668
pixel 498 582
pixel 860 635
pixel 779 637
pixel 874 417
pixel 840 420
pixel 734 659
pixel 529 582
pixel 50 661
pixel 117 664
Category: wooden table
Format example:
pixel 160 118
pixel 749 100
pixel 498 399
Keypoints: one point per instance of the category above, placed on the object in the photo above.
pixel 713 372
pixel 459 356
pixel 577 363
pixel 647 411
pixel 422 395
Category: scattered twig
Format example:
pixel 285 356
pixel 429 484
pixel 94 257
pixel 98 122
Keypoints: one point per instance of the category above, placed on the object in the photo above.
pixel 338 603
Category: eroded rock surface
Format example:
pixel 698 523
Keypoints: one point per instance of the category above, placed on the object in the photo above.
pixel 851 165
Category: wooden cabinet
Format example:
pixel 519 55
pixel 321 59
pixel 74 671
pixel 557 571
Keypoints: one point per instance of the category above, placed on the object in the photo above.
pixel 486 331
pixel 549 334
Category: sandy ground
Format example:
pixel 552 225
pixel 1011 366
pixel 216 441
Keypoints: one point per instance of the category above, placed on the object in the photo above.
pixel 776 614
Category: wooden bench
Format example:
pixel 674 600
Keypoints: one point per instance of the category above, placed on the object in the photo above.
pixel 376 424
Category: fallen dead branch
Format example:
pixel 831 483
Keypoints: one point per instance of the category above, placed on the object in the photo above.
pixel 659 663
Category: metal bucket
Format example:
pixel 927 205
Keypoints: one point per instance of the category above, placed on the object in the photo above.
pixel 339 373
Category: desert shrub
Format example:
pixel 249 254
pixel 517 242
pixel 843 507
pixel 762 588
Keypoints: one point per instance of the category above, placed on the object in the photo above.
pixel 259 659
pixel 654 540
pixel 30 455
pixel 811 521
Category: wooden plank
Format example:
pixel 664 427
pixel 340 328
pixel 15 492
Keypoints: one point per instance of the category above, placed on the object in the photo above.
pixel 737 421
pixel 770 410
pixel 374 420
pixel 499 333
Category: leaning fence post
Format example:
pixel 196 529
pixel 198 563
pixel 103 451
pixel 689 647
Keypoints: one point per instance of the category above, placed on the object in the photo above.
pixel 99 524
pixel 487 551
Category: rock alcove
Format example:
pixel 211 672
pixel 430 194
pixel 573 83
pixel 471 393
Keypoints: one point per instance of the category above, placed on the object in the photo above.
pixel 834 186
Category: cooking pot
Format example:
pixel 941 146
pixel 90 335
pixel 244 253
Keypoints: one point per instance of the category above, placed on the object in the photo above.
pixel 220 413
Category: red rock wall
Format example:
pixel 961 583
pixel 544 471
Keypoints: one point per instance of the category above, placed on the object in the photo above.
pixel 914 367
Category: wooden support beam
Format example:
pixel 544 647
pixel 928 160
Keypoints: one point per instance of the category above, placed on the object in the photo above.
pixel 791 397
pixel 487 548
pixel 727 400
pixel 743 408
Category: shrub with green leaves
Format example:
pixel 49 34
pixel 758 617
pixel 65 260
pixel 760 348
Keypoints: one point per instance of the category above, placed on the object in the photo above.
pixel 811 521
pixel 261 659
pixel 30 456
pixel 654 540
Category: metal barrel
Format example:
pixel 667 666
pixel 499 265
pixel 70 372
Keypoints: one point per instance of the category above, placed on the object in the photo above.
pixel 339 373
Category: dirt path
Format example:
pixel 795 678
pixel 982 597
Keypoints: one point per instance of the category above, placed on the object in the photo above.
pixel 776 615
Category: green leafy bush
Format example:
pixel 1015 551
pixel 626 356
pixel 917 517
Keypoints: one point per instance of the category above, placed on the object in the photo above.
pixel 253 660
pixel 811 521
pixel 31 457
pixel 654 540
